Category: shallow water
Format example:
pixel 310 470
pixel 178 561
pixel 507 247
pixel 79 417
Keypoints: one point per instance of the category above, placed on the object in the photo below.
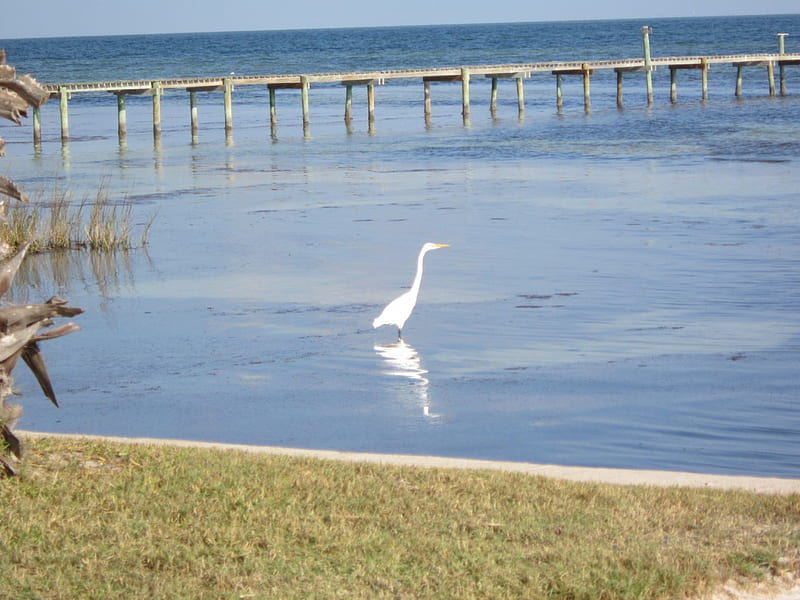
pixel 620 290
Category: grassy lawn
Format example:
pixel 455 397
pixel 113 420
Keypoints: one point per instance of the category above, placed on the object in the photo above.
pixel 89 519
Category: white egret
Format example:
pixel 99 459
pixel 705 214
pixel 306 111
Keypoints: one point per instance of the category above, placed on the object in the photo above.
pixel 399 309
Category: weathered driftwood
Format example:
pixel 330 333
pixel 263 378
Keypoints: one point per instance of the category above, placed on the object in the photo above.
pixel 27 88
pixel 22 327
pixel 6 71
pixel 20 334
pixel 12 190
pixel 14 319
pixel 9 269
pixel 12 106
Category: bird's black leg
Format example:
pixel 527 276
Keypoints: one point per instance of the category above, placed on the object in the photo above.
pixel 399 334
pixel 6 469
pixel 11 441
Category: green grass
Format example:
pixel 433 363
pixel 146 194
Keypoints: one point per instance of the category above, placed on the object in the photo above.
pixel 89 519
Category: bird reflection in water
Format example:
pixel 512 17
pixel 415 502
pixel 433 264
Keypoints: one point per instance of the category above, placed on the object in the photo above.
pixel 403 360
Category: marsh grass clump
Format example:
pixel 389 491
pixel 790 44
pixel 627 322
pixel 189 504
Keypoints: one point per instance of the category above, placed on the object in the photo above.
pixel 109 225
pixel 64 225
pixel 21 222
pixel 59 223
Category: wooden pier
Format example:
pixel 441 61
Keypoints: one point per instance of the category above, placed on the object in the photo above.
pixel 463 75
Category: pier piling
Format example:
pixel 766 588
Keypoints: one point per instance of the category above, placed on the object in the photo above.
pixel 156 110
pixel 648 67
pixel 63 96
pixel 371 105
pixel 673 84
pixel 704 77
pixel 228 100
pixel 587 96
pixel 122 117
pixel 193 114
pixel 520 97
pixel 348 104
pixel 771 77
pixel 304 86
pixel 273 112
pixel 738 91
pixel 559 94
pixel 37 126
pixel 426 85
pixel 465 93
pixel 781 50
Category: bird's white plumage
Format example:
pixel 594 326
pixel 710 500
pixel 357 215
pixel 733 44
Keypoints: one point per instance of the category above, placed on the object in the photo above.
pixel 399 309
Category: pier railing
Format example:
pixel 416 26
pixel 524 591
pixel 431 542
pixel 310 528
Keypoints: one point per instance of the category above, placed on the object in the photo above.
pixel 369 79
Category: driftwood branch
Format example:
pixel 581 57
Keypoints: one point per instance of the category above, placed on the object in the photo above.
pixel 22 327
pixel 18 93
pixel 27 88
pixel 20 332
pixel 11 189
pixel 14 319
pixel 6 71
pixel 9 269
pixel 12 106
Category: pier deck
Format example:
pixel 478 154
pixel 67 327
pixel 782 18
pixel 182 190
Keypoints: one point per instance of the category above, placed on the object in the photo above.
pixel 369 79
pixel 521 69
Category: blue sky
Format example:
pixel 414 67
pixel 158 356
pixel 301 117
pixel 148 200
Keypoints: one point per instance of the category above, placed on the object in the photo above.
pixel 46 18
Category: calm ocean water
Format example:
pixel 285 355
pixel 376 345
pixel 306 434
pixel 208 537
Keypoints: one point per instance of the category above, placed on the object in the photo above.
pixel 620 290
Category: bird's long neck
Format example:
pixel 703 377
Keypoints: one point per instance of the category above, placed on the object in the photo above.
pixel 418 277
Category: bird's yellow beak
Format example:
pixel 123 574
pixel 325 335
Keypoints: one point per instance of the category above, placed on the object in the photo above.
pixel 442 245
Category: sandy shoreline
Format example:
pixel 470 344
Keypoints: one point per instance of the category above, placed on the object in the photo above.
pixel 764 485
pixel 782 589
